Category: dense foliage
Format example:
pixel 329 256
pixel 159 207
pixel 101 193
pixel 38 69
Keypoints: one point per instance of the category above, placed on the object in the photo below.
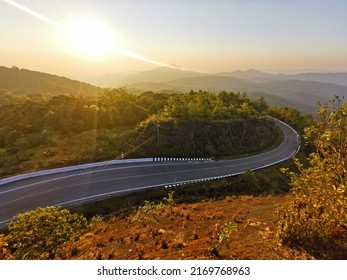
pixel 43 132
pixel 205 105
pixel 292 117
pixel 4 251
pixel 203 138
pixel 22 82
pixel 200 124
pixel 70 114
pixel 317 213
pixel 40 131
pixel 38 233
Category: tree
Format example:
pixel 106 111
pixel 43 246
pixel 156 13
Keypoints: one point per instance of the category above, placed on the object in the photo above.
pixel 249 182
pixel 317 210
pixel 220 111
pixel 4 252
pixel 260 106
pixel 38 233
pixel 292 117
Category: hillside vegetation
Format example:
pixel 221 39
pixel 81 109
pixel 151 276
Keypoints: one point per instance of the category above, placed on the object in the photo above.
pixel 231 222
pixel 202 124
pixel 41 132
pixel 316 217
pixel 26 82
pixel 300 91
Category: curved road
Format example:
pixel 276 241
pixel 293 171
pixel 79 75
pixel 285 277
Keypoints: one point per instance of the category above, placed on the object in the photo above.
pixel 78 186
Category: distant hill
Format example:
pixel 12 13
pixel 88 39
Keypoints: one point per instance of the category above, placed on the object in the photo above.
pixel 211 82
pixel 338 78
pixel 300 94
pixel 156 75
pixel 300 91
pixel 251 74
pixel 332 78
pixel 22 81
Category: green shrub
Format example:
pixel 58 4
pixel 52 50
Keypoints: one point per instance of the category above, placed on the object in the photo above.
pixel 222 237
pixel 317 209
pixel 38 233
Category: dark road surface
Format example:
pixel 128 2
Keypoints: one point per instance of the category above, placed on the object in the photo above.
pixel 75 187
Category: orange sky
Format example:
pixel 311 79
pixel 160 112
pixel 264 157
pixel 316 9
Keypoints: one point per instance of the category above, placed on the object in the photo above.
pixel 207 36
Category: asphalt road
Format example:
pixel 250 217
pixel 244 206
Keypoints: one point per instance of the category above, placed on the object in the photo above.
pixel 79 186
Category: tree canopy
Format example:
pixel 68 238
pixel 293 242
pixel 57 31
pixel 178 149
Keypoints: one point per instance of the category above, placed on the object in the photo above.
pixel 38 233
pixel 205 105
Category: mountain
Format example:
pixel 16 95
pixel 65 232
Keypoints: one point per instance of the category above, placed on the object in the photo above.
pixel 300 91
pixel 156 75
pixel 302 94
pixel 109 80
pixel 22 81
pixel 339 78
pixel 212 82
pixel 251 74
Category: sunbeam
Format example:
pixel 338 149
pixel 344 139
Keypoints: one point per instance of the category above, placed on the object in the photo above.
pixel 81 40
pixel 34 14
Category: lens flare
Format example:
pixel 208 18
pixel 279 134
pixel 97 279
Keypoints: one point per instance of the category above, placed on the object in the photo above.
pixel 90 38
pixel 34 14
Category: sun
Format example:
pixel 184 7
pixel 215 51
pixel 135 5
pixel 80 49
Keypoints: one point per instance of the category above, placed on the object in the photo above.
pixel 90 38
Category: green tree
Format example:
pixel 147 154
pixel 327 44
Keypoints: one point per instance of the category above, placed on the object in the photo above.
pixel 246 110
pixel 220 111
pixel 38 233
pixel 249 181
pixel 292 117
pixel 260 106
pixel 317 210
pixel 176 107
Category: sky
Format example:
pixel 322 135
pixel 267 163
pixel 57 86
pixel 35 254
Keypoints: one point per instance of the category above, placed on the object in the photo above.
pixel 202 35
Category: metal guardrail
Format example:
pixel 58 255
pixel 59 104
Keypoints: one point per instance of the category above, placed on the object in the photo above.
pixel 168 160
pixel 156 159
pixel 70 168
pixel 181 159
pixel 93 165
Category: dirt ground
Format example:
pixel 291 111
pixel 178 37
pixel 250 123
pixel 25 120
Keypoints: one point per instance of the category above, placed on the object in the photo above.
pixel 188 231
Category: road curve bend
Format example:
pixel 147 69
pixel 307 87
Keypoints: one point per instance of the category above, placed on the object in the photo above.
pixel 71 187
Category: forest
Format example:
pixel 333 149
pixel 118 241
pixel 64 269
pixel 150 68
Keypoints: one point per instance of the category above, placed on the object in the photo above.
pixel 42 131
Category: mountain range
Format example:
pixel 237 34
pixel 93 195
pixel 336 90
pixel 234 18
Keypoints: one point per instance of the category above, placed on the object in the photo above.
pixel 301 91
